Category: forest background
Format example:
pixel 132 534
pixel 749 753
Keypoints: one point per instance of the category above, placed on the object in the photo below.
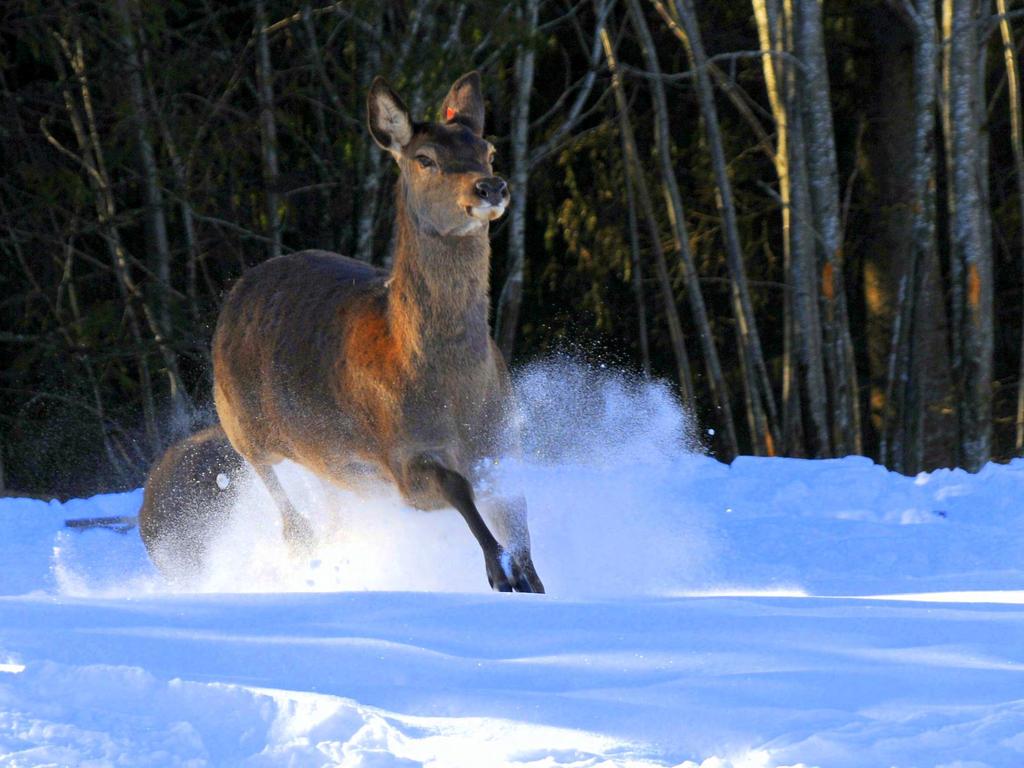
pixel 807 217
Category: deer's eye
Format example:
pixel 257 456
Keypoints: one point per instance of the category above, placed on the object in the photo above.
pixel 425 162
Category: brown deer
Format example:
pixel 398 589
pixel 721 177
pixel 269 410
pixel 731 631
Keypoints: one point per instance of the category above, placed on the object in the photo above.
pixel 345 369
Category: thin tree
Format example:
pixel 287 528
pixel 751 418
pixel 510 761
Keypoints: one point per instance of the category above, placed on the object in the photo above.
pixel 677 218
pixel 511 296
pixel 268 131
pixel 634 167
pixel 526 158
pixel 81 116
pixel 637 275
pixel 372 166
pixel 762 415
pixel 156 219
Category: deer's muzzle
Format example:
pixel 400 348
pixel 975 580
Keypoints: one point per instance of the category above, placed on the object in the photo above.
pixel 493 190
pixel 494 196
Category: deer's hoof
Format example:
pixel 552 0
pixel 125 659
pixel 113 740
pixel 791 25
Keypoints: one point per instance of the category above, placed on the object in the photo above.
pixel 513 572
pixel 298 535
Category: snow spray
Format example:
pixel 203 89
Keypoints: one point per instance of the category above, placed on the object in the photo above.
pixel 605 461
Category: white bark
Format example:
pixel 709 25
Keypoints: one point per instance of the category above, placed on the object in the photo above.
pixel 970 250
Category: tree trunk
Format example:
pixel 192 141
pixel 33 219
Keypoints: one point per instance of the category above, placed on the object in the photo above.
pixel 1017 143
pixel 323 155
pixel 156 220
pixel 906 325
pixel 634 167
pixel 636 272
pixel 525 158
pixel 87 135
pixel 775 29
pixel 268 131
pixel 674 204
pixel 970 251
pixel 511 298
pixel 823 177
pixel 762 417
pixel 926 385
pixel 372 166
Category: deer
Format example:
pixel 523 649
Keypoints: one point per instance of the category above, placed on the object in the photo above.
pixel 355 372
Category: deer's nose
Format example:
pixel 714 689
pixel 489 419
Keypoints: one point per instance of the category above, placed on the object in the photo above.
pixel 493 189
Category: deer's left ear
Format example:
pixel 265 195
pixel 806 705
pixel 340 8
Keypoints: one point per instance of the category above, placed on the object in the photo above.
pixel 465 103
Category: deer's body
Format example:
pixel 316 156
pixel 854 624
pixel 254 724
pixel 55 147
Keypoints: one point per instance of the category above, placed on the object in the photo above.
pixel 355 381
pixel 341 367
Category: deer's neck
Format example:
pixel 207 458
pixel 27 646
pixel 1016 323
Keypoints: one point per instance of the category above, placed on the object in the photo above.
pixel 438 297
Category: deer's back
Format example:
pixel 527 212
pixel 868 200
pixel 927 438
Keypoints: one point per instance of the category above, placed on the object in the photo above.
pixel 279 348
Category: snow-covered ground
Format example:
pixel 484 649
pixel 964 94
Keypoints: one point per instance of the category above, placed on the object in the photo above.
pixel 774 612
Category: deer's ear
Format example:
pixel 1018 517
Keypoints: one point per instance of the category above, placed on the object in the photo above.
pixel 387 117
pixel 465 103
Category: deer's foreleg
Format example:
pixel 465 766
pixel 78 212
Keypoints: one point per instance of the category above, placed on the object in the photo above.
pixel 507 516
pixel 504 572
pixel 298 533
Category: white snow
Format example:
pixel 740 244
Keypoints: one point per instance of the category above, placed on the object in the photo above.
pixel 774 612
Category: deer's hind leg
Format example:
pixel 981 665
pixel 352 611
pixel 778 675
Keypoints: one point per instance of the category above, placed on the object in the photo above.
pixel 242 423
pixel 298 533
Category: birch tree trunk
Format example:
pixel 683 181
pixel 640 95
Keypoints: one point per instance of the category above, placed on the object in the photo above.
pixel 634 167
pixel 823 175
pixel 922 382
pixel 268 131
pixel 970 250
pixel 511 297
pixel 676 213
pixel 775 30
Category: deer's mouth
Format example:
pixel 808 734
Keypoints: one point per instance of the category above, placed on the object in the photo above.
pixel 485 212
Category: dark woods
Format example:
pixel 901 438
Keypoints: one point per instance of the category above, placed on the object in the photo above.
pixel 809 218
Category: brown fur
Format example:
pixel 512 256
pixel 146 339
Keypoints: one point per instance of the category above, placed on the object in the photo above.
pixel 336 365
pixel 183 506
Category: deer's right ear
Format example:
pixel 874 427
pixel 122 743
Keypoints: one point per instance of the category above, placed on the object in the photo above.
pixel 388 118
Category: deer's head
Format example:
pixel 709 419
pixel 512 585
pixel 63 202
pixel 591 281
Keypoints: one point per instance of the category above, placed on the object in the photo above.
pixel 446 176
